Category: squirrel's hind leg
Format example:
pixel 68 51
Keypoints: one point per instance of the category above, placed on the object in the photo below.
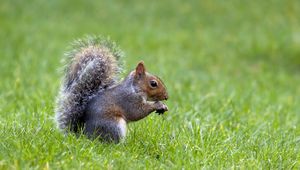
pixel 108 131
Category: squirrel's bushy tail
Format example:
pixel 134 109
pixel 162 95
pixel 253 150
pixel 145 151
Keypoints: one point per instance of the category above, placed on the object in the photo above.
pixel 92 65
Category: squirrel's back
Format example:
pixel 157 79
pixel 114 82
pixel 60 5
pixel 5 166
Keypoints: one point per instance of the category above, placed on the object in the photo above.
pixel 92 65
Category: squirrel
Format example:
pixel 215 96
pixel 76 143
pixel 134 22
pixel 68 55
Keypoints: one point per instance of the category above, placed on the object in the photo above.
pixel 95 101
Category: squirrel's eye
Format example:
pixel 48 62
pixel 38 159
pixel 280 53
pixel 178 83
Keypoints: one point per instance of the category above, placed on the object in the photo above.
pixel 153 83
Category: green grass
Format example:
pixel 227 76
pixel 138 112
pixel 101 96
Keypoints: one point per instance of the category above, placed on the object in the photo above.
pixel 231 67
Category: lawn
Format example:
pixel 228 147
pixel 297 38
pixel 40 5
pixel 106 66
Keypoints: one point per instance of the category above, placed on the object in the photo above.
pixel 232 69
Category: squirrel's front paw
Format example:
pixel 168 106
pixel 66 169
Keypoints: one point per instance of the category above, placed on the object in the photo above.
pixel 161 108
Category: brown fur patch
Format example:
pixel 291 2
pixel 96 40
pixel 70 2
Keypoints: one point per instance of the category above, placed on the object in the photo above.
pixel 114 113
pixel 156 94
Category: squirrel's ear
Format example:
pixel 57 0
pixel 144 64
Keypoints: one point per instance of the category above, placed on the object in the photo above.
pixel 140 69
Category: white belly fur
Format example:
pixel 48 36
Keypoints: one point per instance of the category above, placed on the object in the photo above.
pixel 122 125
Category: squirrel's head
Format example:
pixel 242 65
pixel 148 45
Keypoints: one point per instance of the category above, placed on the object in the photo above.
pixel 149 84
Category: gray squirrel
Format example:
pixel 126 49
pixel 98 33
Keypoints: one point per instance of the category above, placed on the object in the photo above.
pixel 93 99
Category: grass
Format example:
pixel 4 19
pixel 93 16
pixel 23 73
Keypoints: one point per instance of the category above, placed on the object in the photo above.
pixel 231 67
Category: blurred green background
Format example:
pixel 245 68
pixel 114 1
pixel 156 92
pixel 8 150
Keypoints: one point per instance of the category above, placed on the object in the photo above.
pixel 231 67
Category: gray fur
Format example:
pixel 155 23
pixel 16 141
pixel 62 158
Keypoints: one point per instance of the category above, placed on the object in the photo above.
pixel 90 97
pixel 128 98
pixel 106 130
pixel 92 65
